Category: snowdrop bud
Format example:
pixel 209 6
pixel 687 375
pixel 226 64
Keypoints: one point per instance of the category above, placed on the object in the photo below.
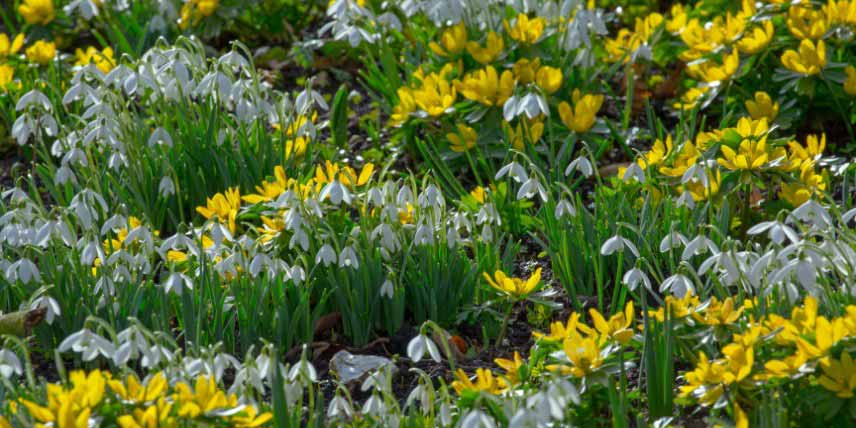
pixel 387 289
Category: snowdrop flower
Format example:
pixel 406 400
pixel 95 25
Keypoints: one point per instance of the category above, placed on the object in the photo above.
pixel 326 255
pixel 87 343
pixel 514 170
pixel 339 406
pixel 49 303
pixel 618 243
pixel 698 246
pixel 634 171
pixel 581 164
pixel 679 285
pixel 812 212
pixel 305 369
pixel 776 230
pixel 387 289
pixel 633 277
pixel 348 258
pixel 671 241
pixel 419 345
pixel 530 188
pixel 10 364
pixel 477 419
pixel 563 208
pixel 166 188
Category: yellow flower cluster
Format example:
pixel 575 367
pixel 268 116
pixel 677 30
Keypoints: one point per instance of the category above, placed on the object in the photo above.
pixel 193 11
pixel 97 396
pixel 626 41
pixel 585 346
pixel 776 347
pixel 742 149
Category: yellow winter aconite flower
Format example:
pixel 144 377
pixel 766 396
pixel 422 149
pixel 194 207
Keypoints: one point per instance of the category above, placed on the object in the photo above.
pixel 224 206
pixel 12 47
pixel 560 331
pixel 463 140
pixel 850 83
pixel 810 183
pixel 478 194
pixel 700 192
pixel 485 382
pixel 7 75
pixel 719 313
pixel 709 71
pixel 756 40
pixel 810 60
pixel 436 94
pixel 750 155
pixel 490 52
pixel 39 12
pixel 202 398
pixel 103 60
pixel 691 98
pixel 618 327
pixel 682 161
pixel 513 287
pixel 841 12
pixel 511 367
pixel 678 19
pixel 813 150
pixel 581 117
pixel 406 105
pixel 839 376
pixel 525 30
pixel 704 38
pixel 762 107
pixel 549 79
pixel 627 41
pixel 487 87
pixel 806 22
pixel 41 52
pixel 270 190
pixel 69 407
pixel 526 131
pixel 194 10
pixel 525 70
pixel 138 393
pixel 583 352
pixel 156 415
pixel 453 40
pixel 345 174
pixel 250 417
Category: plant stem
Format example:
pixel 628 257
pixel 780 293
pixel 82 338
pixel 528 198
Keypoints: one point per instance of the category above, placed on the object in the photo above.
pixel 504 324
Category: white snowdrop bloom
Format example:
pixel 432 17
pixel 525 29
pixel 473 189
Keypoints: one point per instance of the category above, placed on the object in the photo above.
pixel 679 285
pixel 618 243
pixel 420 344
pixel 633 277
pixel 10 364
pixel 87 343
